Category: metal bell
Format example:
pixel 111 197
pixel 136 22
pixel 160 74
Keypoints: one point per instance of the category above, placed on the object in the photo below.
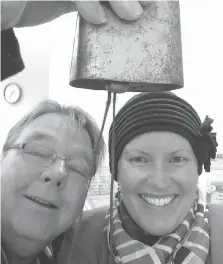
pixel 145 55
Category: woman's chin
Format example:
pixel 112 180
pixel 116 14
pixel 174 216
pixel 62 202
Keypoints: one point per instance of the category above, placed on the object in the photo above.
pixel 162 231
pixel 160 221
pixel 159 228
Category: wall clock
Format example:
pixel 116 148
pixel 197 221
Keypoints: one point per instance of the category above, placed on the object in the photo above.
pixel 12 93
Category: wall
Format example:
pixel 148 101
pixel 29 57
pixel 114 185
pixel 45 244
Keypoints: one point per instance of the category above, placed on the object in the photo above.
pixel 215 180
pixel 202 57
pixel 34 80
pixel 47 52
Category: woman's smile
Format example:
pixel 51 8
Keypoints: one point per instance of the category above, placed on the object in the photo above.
pixel 157 201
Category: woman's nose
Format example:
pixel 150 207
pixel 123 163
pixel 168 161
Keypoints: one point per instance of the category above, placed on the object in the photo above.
pixel 158 176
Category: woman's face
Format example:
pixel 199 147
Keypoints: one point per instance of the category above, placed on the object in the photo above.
pixel 158 175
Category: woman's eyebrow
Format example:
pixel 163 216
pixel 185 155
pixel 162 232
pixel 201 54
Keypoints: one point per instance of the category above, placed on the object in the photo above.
pixel 179 150
pixel 128 151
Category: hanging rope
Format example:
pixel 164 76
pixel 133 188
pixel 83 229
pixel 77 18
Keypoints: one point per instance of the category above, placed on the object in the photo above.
pixel 112 177
pixel 69 258
pixel 103 123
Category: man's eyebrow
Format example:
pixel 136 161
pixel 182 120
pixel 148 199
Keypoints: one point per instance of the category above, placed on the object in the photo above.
pixel 37 135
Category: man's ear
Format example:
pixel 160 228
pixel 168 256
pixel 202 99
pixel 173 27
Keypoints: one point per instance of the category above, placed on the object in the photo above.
pixel 3 155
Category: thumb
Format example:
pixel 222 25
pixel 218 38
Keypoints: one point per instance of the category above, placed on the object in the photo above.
pixel 92 11
pixel 11 12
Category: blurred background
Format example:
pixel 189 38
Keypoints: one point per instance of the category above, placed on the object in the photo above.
pixel 47 50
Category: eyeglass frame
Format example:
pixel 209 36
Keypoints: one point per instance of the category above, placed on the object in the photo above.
pixel 22 145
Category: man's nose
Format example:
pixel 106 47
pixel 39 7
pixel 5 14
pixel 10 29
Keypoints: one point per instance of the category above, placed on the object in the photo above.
pixel 56 173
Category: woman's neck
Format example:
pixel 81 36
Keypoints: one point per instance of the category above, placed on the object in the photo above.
pixel 133 229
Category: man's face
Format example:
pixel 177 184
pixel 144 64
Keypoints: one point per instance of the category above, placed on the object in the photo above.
pixel 40 202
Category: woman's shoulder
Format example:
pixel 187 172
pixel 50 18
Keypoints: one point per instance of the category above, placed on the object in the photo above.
pixel 216 232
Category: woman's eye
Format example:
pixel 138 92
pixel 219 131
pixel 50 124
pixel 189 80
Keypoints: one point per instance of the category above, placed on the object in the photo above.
pixel 178 160
pixel 138 160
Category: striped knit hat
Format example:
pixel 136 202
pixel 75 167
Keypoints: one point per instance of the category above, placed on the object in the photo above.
pixel 163 111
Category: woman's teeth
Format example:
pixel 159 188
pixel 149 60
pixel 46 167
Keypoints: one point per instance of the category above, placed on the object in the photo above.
pixel 158 202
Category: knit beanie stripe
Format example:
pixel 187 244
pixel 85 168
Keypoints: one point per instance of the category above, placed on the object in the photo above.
pixel 137 131
pixel 153 120
pixel 159 115
pixel 161 108
pixel 149 100
pixel 142 106
pixel 158 111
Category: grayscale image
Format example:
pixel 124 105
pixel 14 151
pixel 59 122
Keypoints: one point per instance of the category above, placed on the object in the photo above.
pixel 111 132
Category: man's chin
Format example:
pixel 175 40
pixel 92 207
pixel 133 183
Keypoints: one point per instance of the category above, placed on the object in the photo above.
pixel 30 233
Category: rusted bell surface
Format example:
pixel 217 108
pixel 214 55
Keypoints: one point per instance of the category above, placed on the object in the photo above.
pixel 145 55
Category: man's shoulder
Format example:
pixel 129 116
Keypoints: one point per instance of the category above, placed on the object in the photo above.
pixel 90 245
pixel 93 222
pixel 94 214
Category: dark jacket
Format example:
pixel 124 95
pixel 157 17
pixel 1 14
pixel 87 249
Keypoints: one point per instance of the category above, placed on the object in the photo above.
pixel 90 247
pixel 11 60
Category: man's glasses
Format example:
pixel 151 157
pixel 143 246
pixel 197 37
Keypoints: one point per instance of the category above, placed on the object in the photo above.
pixel 39 155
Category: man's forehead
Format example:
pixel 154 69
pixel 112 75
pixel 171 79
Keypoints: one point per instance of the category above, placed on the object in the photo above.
pixel 52 120
pixel 50 126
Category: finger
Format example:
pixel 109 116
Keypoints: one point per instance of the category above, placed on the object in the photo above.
pixel 39 12
pixel 92 11
pixel 11 12
pixel 71 6
pixel 128 10
pixel 144 3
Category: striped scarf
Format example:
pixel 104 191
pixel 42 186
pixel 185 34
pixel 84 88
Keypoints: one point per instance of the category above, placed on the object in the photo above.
pixel 188 244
